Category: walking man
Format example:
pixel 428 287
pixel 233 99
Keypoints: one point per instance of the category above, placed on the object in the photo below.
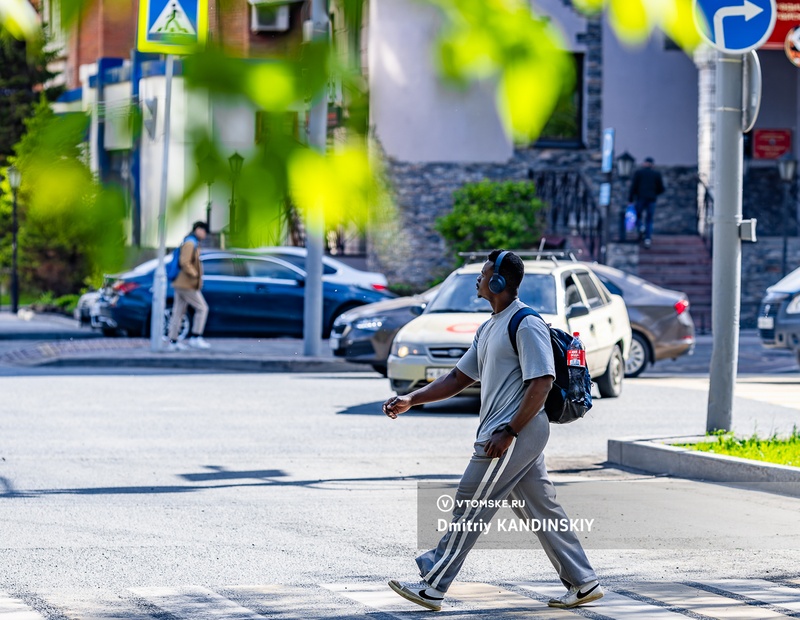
pixel 512 433
pixel 187 286
pixel 646 186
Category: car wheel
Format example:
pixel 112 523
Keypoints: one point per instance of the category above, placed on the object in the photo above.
pixel 186 324
pixel 610 383
pixel 381 369
pixel 639 356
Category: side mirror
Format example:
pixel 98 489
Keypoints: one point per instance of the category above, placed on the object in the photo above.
pixel 577 310
pixel 416 310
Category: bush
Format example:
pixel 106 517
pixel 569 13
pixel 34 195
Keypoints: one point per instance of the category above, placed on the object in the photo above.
pixel 490 215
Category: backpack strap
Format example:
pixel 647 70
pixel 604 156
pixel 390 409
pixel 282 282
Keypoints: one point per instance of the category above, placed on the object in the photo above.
pixel 513 324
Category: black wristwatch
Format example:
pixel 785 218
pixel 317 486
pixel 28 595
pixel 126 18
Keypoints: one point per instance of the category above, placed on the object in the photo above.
pixel 507 428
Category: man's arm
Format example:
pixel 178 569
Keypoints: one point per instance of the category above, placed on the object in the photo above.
pixel 186 259
pixel 532 403
pixel 444 387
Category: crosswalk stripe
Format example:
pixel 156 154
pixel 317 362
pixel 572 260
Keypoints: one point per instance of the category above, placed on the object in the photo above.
pixel 498 601
pixel 703 602
pixel 286 602
pixel 195 603
pixel 761 590
pixel 14 609
pixel 614 605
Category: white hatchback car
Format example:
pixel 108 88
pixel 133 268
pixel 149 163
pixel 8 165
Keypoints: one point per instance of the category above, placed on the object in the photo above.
pixel 567 295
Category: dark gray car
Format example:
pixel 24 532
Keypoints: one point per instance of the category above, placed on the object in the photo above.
pixel 364 335
pixel 660 320
pixel 779 315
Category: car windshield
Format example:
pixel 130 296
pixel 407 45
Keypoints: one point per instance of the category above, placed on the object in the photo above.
pixel 458 294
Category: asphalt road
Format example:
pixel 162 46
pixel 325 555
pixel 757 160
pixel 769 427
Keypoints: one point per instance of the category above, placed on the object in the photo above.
pixel 109 484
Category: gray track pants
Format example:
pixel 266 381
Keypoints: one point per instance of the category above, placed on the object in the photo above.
pixel 519 475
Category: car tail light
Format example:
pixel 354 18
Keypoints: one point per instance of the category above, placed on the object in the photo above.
pixel 380 287
pixel 122 287
pixel 681 306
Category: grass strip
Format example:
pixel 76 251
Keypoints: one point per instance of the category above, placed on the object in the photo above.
pixel 775 449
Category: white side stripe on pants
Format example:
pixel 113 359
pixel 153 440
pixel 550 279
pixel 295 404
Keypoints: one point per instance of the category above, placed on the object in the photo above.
pixel 449 553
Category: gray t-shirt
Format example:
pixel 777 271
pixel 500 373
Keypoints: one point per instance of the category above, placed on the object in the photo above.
pixel 492 361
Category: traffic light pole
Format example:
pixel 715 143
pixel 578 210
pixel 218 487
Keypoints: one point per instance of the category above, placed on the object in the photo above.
pixel 727 259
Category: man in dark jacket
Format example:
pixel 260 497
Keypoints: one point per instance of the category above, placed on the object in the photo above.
pixel 646 186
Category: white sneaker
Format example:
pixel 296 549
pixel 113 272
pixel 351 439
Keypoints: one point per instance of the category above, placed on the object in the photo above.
pixel 198 342
pixel 176 346
pixel 420 593
pixel 588 592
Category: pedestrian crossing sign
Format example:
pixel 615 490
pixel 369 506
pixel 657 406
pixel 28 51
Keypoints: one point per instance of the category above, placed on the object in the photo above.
pixel 172 26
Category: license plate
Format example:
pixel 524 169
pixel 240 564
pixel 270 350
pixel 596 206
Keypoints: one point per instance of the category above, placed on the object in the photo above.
pixel 335 344
pixel 431 374
pixel 766 322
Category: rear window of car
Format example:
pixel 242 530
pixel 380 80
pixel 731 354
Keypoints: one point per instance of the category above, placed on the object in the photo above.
pixel 268 269
pixel 300 261
pixel 458 294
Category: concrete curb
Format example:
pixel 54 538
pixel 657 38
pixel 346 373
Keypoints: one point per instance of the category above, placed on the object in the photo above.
pixel 658 457
pixel 50 335
pixel 238 364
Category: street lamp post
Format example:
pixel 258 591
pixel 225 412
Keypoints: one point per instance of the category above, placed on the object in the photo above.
pixel 235 162
pixel 206 170
pixel 625 163
pixel 787 167
pixel 14 180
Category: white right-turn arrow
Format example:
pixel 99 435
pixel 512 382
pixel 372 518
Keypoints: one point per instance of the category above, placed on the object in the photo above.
pixel 748 10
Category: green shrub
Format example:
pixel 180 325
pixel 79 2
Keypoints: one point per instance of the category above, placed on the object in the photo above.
pixel 490 215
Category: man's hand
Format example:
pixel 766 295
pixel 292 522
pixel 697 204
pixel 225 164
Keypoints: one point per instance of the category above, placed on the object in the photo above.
pixel 498 444
pixel 397 405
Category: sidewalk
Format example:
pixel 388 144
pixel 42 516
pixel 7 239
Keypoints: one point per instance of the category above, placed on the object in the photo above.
pixel 47 340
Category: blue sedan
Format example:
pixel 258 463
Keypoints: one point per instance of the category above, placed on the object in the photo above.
pixel 246 295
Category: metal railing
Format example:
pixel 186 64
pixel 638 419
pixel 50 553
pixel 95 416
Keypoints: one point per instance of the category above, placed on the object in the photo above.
pixel 571 209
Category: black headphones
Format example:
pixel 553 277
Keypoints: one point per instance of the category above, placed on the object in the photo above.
pixel 497 283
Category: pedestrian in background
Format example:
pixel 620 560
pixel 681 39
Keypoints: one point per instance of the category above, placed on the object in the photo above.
pixel 187 287
pixel 508 459
pixel 646 186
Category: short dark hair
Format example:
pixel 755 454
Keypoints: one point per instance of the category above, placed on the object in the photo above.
pixel 648 160
pixel 512 268
pixel 200 224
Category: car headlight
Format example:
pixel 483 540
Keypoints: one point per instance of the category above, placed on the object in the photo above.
pixel 404 349
pixel 370 324
pixel 794 306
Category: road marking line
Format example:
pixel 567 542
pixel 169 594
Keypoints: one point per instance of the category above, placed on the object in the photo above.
pixel 761 590
pixel 614 605
pixel 462 597
pixel 706 603
pixel 195 603
pixel 14 609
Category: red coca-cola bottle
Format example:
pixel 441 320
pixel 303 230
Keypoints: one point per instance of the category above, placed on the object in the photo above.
pixel 576 354
pixel 576 362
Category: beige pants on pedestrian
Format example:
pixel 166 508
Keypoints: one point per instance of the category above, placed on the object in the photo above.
pixel 188 297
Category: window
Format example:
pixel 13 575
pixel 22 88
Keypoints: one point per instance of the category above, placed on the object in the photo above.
pixel 268 269
pixel 593 295
pixel 565 127
pixel 268 16
pixel 219 267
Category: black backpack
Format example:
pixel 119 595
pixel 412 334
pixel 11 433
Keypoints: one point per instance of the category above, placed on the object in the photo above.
pixel 560 409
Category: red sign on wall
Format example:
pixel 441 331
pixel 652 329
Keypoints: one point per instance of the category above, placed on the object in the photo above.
pixel 771 143
pixel 788 18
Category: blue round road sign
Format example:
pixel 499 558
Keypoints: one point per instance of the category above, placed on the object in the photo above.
pixel 735 26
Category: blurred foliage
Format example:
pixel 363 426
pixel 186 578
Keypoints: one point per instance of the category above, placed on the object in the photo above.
pixel 23 71
pixel 493 215
pixel 69 226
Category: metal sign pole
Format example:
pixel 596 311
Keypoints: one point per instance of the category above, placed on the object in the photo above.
pixel 160 279
pixel 727 259
pixel 315 220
